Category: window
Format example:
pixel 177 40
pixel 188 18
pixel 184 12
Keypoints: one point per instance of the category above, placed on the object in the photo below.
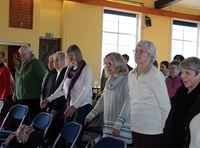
pixel 185 39
pixel 120 34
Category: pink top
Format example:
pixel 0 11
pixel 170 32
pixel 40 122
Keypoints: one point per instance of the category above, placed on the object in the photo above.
pixel 173 84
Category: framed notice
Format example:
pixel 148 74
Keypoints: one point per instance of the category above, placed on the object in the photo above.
pixel 21 13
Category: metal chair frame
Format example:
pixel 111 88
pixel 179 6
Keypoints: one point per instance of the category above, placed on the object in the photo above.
pixel 42 121
pixel 18 112
pixel 70 133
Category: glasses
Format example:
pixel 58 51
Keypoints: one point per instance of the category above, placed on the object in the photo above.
pixel 139 51
pixel 107 64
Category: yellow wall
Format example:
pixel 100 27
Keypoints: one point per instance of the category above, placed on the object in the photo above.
pixel 81 24
pixel 79 18
pixel 183 10
pixel 46 18
pixel 159 33
pixel 5 49
pixel 83 27
pixel 50 17
pixel 10 34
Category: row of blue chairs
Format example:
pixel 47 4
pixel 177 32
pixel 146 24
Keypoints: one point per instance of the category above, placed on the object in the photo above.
pixel 70 132
pixel 42 121
pixel 18 113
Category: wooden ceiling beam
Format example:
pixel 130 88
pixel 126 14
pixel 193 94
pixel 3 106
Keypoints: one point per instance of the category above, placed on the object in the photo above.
pixel 164 3
pixel 105 3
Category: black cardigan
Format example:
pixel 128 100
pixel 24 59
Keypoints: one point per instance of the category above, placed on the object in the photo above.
pixel 184 108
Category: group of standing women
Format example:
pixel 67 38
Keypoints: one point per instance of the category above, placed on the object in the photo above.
pixel 6 87
pixel 136 104
pixel 137 107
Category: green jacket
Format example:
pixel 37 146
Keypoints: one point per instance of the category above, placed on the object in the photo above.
pixel 29 76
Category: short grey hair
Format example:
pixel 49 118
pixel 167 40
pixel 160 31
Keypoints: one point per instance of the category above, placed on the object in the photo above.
pixel 61 54
pixel 118 61
pixel 191 63
pixel 150 47
pixel 25 48
pixel 2 54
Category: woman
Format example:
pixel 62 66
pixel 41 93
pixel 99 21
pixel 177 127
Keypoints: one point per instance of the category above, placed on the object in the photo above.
pixel 76 86
pixel 114 100
pixel 6 90
pixel 164 68
pixel 174 80
pixel 51 82
pixel 50 63
pixel 148 98
pixel 178 58
pixel 185 106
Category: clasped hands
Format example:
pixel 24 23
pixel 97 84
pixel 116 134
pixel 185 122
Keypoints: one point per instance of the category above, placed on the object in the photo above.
pixel 68 112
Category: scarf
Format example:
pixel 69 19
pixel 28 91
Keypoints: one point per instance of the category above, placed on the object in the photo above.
pixel 74 75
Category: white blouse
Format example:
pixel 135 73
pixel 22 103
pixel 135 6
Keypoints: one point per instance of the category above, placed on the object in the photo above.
pixel 81 93
pixel 150 104
pixel 195 132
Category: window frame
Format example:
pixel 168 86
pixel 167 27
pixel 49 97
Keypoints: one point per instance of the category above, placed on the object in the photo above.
pixel 185 23
pixel 137 30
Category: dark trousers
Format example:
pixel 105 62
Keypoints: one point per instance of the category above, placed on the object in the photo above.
pixel 80 114
pixel 7 105
pixel 146 141
pixel 54 129
pixel 33 108
pixel 79 117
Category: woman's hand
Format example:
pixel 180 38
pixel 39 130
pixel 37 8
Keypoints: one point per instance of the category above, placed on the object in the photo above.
pixel 115 132
pixel 87 121
pixel 14 99
pixel 44 103
pixel 54 112
pixel 70 111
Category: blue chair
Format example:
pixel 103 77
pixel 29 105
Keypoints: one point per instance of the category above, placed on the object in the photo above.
pixel 108 142
pixel 42 121
pixel 16 112
pixel 70 133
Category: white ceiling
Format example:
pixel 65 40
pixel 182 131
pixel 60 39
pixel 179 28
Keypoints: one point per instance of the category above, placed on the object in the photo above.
pixel 190 3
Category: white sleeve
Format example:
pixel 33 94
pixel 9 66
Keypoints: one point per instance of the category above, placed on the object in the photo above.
pixel 59 91
pixel 86 83
pixel 162 96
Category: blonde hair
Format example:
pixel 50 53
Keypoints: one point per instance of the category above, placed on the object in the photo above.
pixel 118 61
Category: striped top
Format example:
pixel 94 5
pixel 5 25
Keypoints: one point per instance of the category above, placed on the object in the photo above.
pixel 115 102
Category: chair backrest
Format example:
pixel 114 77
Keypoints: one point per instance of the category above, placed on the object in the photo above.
pixel 107 142
pixel 42 122
pixel 70 133
pixel 18 112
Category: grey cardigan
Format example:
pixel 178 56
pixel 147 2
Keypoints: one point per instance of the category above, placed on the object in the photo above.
pixel 115 102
